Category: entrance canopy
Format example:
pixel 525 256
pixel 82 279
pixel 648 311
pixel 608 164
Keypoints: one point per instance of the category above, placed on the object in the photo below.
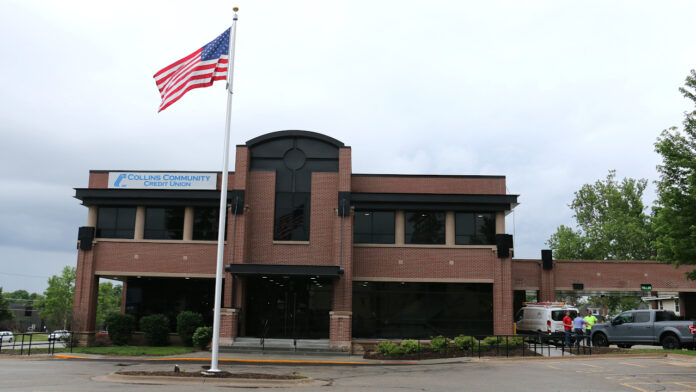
pixel 326 271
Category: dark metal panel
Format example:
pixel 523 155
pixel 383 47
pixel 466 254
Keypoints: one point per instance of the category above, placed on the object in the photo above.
pixel 133 197
pixel 289 270
pixel 282 134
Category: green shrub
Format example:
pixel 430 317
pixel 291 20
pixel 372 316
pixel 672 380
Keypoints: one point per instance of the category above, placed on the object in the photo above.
pixel 439 343
pixel 410 346
pixel 389 348
pixel 156 329
pixel 202 337
pixel 120 327
pixel 465 342
pixel 493 341
pixel 515 341
pixel 186 324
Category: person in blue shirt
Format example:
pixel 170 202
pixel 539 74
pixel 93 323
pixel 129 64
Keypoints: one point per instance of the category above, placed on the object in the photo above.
pixel 578 323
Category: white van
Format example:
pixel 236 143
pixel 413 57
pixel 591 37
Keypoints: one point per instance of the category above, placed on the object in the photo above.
pixel 545 317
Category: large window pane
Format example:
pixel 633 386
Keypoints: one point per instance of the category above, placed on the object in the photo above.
pixel 425 227
pixel 292 216
pixel 205 223
pixel 473 228
pixel 116 222
pixel 373 227
pixel 164 223
pixel 387 310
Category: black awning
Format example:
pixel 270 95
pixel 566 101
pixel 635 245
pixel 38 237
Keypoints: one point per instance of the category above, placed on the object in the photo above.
pixel 332 271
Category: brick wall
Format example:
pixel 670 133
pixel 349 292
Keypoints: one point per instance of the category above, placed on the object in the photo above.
pixel 424 263
pixel 609 275
pixel 429 184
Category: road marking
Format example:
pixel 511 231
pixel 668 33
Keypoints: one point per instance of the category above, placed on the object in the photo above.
pixel 553 367
pixel 680 364
pixel 628 385
pixel 587 364
pixel 632 364
pixel 661 386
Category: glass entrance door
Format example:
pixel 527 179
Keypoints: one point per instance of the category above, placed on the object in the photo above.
pixel 285 307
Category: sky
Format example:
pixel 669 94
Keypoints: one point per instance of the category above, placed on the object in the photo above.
pixel 551 94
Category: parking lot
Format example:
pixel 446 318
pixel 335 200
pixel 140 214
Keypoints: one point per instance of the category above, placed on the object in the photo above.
pixel 578 374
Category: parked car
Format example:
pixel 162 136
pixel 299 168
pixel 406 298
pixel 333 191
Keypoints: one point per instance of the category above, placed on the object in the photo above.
pixel 6 336
pixel 543 317
pixel 648 327
pixel 60 334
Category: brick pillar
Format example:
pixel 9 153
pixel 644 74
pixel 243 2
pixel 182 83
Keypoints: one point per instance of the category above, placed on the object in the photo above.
pixel 86 292
pixel 229 318
pixel 340 329
pixel 502 297
pixel 547 283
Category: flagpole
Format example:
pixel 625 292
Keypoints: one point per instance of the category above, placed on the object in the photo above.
pixel 223 203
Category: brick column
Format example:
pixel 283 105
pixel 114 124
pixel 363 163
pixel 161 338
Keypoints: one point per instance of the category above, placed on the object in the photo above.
pixel 547 283
pixel 340 329
pixel 86 292
pixel 502 297
pixel 229 318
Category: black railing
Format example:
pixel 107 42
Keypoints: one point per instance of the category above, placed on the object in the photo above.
pixel 527 345
pixel 22 343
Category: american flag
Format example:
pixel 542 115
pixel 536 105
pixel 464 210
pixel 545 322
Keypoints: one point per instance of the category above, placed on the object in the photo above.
pixel 199 69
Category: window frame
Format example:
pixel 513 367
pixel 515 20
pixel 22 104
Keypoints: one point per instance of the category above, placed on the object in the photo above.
pixel 372 233
pixel 115 229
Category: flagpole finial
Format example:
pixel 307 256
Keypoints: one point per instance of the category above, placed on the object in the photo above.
pixel 235 9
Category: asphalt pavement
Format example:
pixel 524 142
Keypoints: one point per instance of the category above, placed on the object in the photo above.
pixel 620 373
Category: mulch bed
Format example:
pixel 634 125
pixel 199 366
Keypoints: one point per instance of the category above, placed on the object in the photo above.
pixel 255 376
pixel 512 352
pixel 453 353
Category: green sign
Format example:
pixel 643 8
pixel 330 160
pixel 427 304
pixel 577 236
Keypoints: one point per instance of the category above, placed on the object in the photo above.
pixel 646 286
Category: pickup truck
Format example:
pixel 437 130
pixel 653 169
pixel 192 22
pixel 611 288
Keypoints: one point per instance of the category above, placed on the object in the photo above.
pixel 646 327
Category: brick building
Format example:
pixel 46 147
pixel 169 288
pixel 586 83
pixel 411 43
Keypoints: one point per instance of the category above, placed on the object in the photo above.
pixel 312 249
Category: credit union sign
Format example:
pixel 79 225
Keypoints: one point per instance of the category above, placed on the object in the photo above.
pixel 162 180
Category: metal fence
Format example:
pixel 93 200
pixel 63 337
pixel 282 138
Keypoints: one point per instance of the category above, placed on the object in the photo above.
pixel 24 343
pixel 527 345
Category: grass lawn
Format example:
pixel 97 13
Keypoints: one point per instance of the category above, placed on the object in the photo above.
pixel 133 350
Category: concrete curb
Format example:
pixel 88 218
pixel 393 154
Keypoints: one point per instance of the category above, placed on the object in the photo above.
pixel 229 382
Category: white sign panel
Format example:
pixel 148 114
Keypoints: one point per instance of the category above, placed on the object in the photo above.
pixel 162 180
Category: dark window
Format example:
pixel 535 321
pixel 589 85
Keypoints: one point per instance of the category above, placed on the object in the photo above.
pixel 425 227
pixel 374 227
pixel 421 310
pixel 292 216
pixel 164 223
pixel 642 317
pixel 558 315
pixel 27 311
pixel 474 228
pixel 624 318
pixel 205 223
pixel 116 222
pixel 666 316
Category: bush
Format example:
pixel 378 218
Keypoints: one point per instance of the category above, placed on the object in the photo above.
pixel 156 329
pixel 202 337
pixel 186 324
pixel 465 342
pixel 120 327
pixel 410 346
pixel 439 343
pixel 389 348
pixel 493 341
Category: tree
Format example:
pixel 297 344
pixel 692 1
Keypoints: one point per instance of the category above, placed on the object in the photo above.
pixel 675 210
pixel 613 304
pixel 5 313
pixel 109 301
pixel 56 306
pixel 611 223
